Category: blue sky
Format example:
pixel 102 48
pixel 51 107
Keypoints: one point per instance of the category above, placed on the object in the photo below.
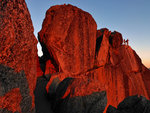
pixel 129 17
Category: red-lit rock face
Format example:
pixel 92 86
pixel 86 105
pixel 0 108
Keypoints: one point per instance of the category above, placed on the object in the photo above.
pixel 102 46
pixel 121 70
pixel 17 42
pixel 11 100
pixel 70 35
pixel 49 68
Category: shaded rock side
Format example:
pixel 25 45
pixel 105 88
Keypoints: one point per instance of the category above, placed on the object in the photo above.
pixel 14 92
pixel 17 42
pixel 69 34
pixel 43 103
pixel 132 104
pixel 94 103
pixel 52 102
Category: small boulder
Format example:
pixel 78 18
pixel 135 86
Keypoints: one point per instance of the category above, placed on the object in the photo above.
pixel 132 104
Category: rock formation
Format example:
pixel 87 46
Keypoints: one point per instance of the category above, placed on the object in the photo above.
pixel 70 47
pixel 17 48
pixel 122 71
pixel 95 59
pixel 82 69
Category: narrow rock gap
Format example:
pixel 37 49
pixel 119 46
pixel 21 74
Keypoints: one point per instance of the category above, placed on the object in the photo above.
pixel 47 55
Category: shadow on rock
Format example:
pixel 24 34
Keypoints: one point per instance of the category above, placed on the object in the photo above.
pixel 131 104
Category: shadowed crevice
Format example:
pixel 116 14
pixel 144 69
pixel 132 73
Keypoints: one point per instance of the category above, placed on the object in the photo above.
pixel 47 55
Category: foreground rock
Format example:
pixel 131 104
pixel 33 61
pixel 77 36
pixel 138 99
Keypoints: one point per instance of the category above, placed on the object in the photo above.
pixel 133 104
pixel 53 102
pixel 17 42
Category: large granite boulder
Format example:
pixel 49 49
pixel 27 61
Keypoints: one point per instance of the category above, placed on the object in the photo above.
pixel 69 34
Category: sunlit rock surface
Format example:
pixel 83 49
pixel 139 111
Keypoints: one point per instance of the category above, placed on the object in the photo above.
pixel 97 60
pixel 69 34
pixel 17 42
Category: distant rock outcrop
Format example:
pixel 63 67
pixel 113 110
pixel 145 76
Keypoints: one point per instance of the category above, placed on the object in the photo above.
pixel 18 44
pixel 121 70
pixel 96 60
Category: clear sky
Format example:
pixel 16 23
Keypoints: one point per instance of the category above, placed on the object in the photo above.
pixel 129 17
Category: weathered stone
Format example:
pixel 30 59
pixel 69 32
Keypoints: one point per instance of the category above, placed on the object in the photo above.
pixel 17 42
